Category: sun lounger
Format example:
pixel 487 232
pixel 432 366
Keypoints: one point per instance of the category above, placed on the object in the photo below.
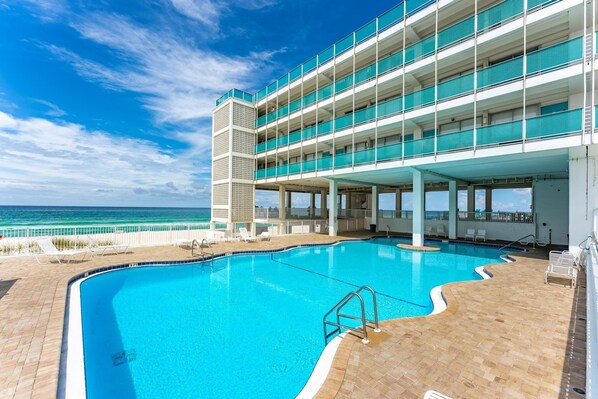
pixel 264 236
pixel 48 249
pixel 428 230
pixel 440 231
pixel 470 234
pixel 95 247
pixel 435 395
pixel 245 235
pixel 215 236
pixel 561 265
pixel 481 235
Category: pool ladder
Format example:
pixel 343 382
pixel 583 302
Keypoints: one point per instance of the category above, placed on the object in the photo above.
pixel 362 329
pixel 201 248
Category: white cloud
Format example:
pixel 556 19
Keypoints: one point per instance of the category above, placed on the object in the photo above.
pixel 53 109
pixel 209 12
pixel 59 162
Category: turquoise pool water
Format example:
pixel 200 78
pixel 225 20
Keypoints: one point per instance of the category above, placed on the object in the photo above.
pixel 249 325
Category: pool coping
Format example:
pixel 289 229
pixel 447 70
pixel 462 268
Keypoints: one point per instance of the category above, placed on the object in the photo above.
pixel 69 365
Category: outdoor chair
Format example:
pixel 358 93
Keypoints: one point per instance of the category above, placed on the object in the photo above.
pixel 561 265
pixel 470 234
pixel 245 236
pixel 95 247
pixel 48 249
pixel 440 231
pixel 481 235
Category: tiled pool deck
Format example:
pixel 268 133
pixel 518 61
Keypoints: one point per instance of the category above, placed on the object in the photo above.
pixel 511 336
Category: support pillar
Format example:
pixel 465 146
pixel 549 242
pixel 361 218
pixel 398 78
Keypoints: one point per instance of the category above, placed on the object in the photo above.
pixel 282 210
pixel 312 205
pixel 398 203
pixel 333 208
pixel 418 208
pixel 289 199
pixel 470 202
pixel 453 216
pixel 488 203
pixel 323 209
pixel 375 205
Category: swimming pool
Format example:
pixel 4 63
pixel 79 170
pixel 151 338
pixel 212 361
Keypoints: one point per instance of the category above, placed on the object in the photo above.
pixel 246 325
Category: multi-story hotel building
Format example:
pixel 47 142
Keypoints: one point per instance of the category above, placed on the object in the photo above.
pixel 442 95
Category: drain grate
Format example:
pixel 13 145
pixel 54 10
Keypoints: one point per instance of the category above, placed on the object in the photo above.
pixel 123 357
pixel 580 391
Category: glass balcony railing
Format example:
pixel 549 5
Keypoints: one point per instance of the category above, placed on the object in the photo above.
pixel 237 94
pixel 446 37
pixel 547 59
pixel 541 127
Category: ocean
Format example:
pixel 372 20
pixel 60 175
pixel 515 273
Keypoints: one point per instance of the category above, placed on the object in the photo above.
pixel 11 216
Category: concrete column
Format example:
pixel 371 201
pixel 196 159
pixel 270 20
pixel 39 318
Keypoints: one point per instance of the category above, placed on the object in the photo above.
pixel 375 205
pixel 323 210
pixel 398 201
pixel 418 208
pixel 470 201
pixel 453 216
pixel 312 204
pixel 417 133
pixel 289 200
pixel 348 204
pixel 282 210
pixel 583 194
pixel 333 207
pixel 488 195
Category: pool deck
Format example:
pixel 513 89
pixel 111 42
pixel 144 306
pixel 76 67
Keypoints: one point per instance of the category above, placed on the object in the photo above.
pixel 510 336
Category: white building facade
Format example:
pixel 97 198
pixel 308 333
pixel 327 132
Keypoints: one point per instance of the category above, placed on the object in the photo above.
pixel 450 95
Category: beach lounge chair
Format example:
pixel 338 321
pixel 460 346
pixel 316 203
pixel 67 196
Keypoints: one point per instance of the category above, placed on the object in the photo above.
pixel 214 236
pixel 245 235
pixel 95 247
pixel 561 265
pixel 481 235
pixel 264 236
pixel 428 230
pixel 48 249
pixel 435 395
pixel 470 234
pixel 440 231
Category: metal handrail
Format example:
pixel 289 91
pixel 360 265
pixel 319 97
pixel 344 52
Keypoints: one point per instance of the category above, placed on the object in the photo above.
pixel 364 321
pixel 518 240
pixel 201 248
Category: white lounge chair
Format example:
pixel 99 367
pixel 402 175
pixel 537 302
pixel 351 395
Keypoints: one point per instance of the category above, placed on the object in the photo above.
pixel 440 231
pixel 245 236
pixel 428 230
pixel 470 234
pixel 215 236
pixel 95 247
pixel 264 236
pixel 561 265
pixel 48 249
pixel 435 395
pixel 481 235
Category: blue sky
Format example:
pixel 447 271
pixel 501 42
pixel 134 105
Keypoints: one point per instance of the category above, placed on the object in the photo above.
pixel 108 102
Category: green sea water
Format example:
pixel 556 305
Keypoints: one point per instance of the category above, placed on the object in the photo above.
pixel 12 216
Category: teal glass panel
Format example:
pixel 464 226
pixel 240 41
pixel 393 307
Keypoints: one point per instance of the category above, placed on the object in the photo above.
pixel 294 137
pixel 365 32
pixel 390 107
pixel 271 172
pixel 536 3
pixel 309 66
pixel 326 55
pixel 363 156
pixel 294 168
pixel 420 49
pixel 556 56
pixel 554 124
pixel 324 163
pixel 365 115
pixel 309 99
pixel 271 116
pixel 456 32
pixel 365 74
pixel 308 166
pixel 325 92
pixel 343 160
pixel 552 108
pixel 272 88
pixel 391 62
pixel 248 97
pixel 419 98
pixel 309 132
pixel 295 106
pixel 237 93
pixel 343 45
pixel 414 6
pixel 259 174
pixel 282 82
pixel 393 151
pixel 419 147
pixel 428 133
pixel 500 12
pixel 283 111
pixel 260 147
pixel 282 170
pixel 296 73
pixel 324 128
pixel 282 140
pixel 500 73
pixel 343 122
pixel 261 94
pixel 494 134
pixel 271 144
pixel 391 17
pixel 261 121
pixel 454 141
pixel 343 83
pixel 455 87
